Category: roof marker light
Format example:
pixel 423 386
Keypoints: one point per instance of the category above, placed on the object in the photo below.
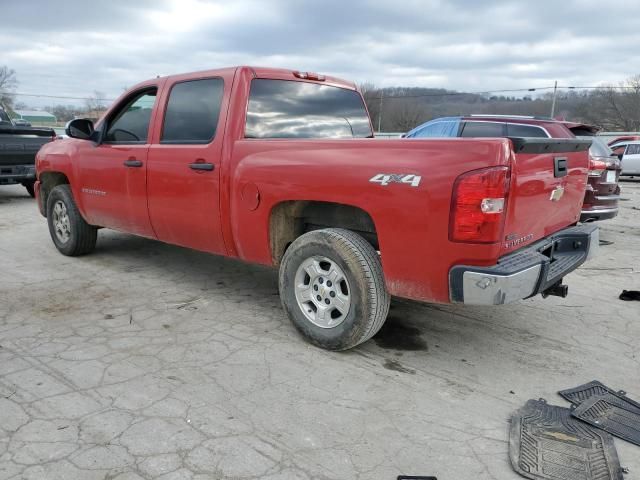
pixel 309 76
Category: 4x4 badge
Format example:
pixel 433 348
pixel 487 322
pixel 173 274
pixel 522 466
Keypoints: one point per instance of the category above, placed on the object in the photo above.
pixel 387 178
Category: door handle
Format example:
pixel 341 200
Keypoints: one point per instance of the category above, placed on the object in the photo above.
pixel 132 162
pixel 201 166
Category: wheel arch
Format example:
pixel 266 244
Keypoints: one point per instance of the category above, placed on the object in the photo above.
pixel 290 219
pixel 48 181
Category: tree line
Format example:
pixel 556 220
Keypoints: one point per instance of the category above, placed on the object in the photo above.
pixel 399 109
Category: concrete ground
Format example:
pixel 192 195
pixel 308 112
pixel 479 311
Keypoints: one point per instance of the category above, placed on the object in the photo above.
pixel 145 360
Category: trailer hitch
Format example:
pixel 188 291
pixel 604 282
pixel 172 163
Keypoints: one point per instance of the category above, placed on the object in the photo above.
pixel 557 290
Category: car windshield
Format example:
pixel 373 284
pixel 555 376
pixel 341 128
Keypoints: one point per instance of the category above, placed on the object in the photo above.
pixel 598 147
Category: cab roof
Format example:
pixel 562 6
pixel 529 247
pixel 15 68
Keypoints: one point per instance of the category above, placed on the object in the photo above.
pixel 271 73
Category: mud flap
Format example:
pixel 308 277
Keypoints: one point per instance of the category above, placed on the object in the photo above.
pixel 545 442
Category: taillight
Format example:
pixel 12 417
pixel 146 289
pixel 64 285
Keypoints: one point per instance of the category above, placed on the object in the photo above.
pixel 596 167
pixel 478 205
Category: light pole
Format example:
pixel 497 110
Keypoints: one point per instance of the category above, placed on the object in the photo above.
pixel 380 113
pixel 553 102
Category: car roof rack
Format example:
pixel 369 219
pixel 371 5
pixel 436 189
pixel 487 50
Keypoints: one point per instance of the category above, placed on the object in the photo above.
pixel 524 117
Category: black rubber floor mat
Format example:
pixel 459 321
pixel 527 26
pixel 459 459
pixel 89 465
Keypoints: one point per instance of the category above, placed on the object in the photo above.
pixel 546 443
pixel 612 414
pixel 579 394
pixel 628 295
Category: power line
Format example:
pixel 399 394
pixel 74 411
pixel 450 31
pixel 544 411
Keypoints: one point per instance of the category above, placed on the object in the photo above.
pixel 487 92
pixel 42 95
pixel 386 97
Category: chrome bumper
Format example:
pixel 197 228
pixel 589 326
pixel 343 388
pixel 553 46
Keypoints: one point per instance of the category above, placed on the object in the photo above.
pixel 527 272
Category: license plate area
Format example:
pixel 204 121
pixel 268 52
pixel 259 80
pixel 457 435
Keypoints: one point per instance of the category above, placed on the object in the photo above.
pixel 611 176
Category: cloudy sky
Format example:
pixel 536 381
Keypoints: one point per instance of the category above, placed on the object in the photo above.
pixel 75 47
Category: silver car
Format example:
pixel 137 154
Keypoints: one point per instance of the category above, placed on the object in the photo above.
pixel 631 159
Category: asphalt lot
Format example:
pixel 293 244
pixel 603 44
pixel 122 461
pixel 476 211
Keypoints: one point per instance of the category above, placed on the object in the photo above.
pixel 145 360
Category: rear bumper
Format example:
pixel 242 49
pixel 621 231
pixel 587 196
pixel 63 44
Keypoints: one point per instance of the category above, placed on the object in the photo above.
pixel 527 272
pixel 598 213
pixel 11 174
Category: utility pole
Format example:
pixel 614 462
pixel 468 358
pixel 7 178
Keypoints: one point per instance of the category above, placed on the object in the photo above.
pixel 380 113
pixel 553 103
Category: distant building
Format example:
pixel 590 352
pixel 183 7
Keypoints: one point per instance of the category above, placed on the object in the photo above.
pixel 35 116
pixel 93 115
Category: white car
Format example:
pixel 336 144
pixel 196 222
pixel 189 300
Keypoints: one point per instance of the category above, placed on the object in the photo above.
pixel 631 159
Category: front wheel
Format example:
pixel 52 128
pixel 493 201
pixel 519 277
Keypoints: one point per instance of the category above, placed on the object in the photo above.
pixel 71 235
pixel 332 288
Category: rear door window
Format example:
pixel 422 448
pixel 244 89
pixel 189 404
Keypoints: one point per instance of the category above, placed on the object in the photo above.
pixel 192 111
pixel 633 149
pixel 483 129
pixel 529 131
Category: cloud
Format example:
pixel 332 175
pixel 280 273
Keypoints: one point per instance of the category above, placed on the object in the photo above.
pixel 75 47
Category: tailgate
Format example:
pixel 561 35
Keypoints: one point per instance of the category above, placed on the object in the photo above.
pixel 18 146
pixel 548 181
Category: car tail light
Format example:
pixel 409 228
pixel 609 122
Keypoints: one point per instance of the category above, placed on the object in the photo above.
pixel 478 205
pixel 596 167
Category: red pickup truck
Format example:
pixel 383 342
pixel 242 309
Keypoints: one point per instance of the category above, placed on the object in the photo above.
pixel 279 167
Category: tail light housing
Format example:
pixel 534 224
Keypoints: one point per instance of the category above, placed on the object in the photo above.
pixel 596 167
pixel 478 205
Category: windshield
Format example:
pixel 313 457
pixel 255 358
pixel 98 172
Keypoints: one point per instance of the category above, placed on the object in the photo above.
pixel 290 109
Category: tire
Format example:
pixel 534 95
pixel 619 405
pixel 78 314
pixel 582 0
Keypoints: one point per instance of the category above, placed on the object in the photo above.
pixel 30 188
pixel 71 235
pixel 320 315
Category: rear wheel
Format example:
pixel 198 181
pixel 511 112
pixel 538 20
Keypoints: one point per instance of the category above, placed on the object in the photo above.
pixel 70 233
pixel 332 288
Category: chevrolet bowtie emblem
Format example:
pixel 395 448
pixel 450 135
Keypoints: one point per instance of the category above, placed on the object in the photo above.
pixel 556 194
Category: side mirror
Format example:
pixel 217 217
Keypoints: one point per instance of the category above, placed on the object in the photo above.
pixel 80 128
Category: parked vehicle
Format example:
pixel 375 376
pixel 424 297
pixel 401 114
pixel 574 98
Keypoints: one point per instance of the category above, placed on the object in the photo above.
pixel 278 167
pixel 631 159
pixel 624 138
pixel 602 193
pixel 19 122
pixel 619 145
pixel 18 147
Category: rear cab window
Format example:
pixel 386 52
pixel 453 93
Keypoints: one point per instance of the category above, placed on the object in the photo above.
pixel 292 109
pixel 193 108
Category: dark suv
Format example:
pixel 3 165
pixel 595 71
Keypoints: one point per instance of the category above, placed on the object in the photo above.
pixel 602 193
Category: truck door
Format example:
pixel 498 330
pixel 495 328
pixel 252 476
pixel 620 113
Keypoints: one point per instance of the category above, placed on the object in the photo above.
pixel 184 165
pixel 113 177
